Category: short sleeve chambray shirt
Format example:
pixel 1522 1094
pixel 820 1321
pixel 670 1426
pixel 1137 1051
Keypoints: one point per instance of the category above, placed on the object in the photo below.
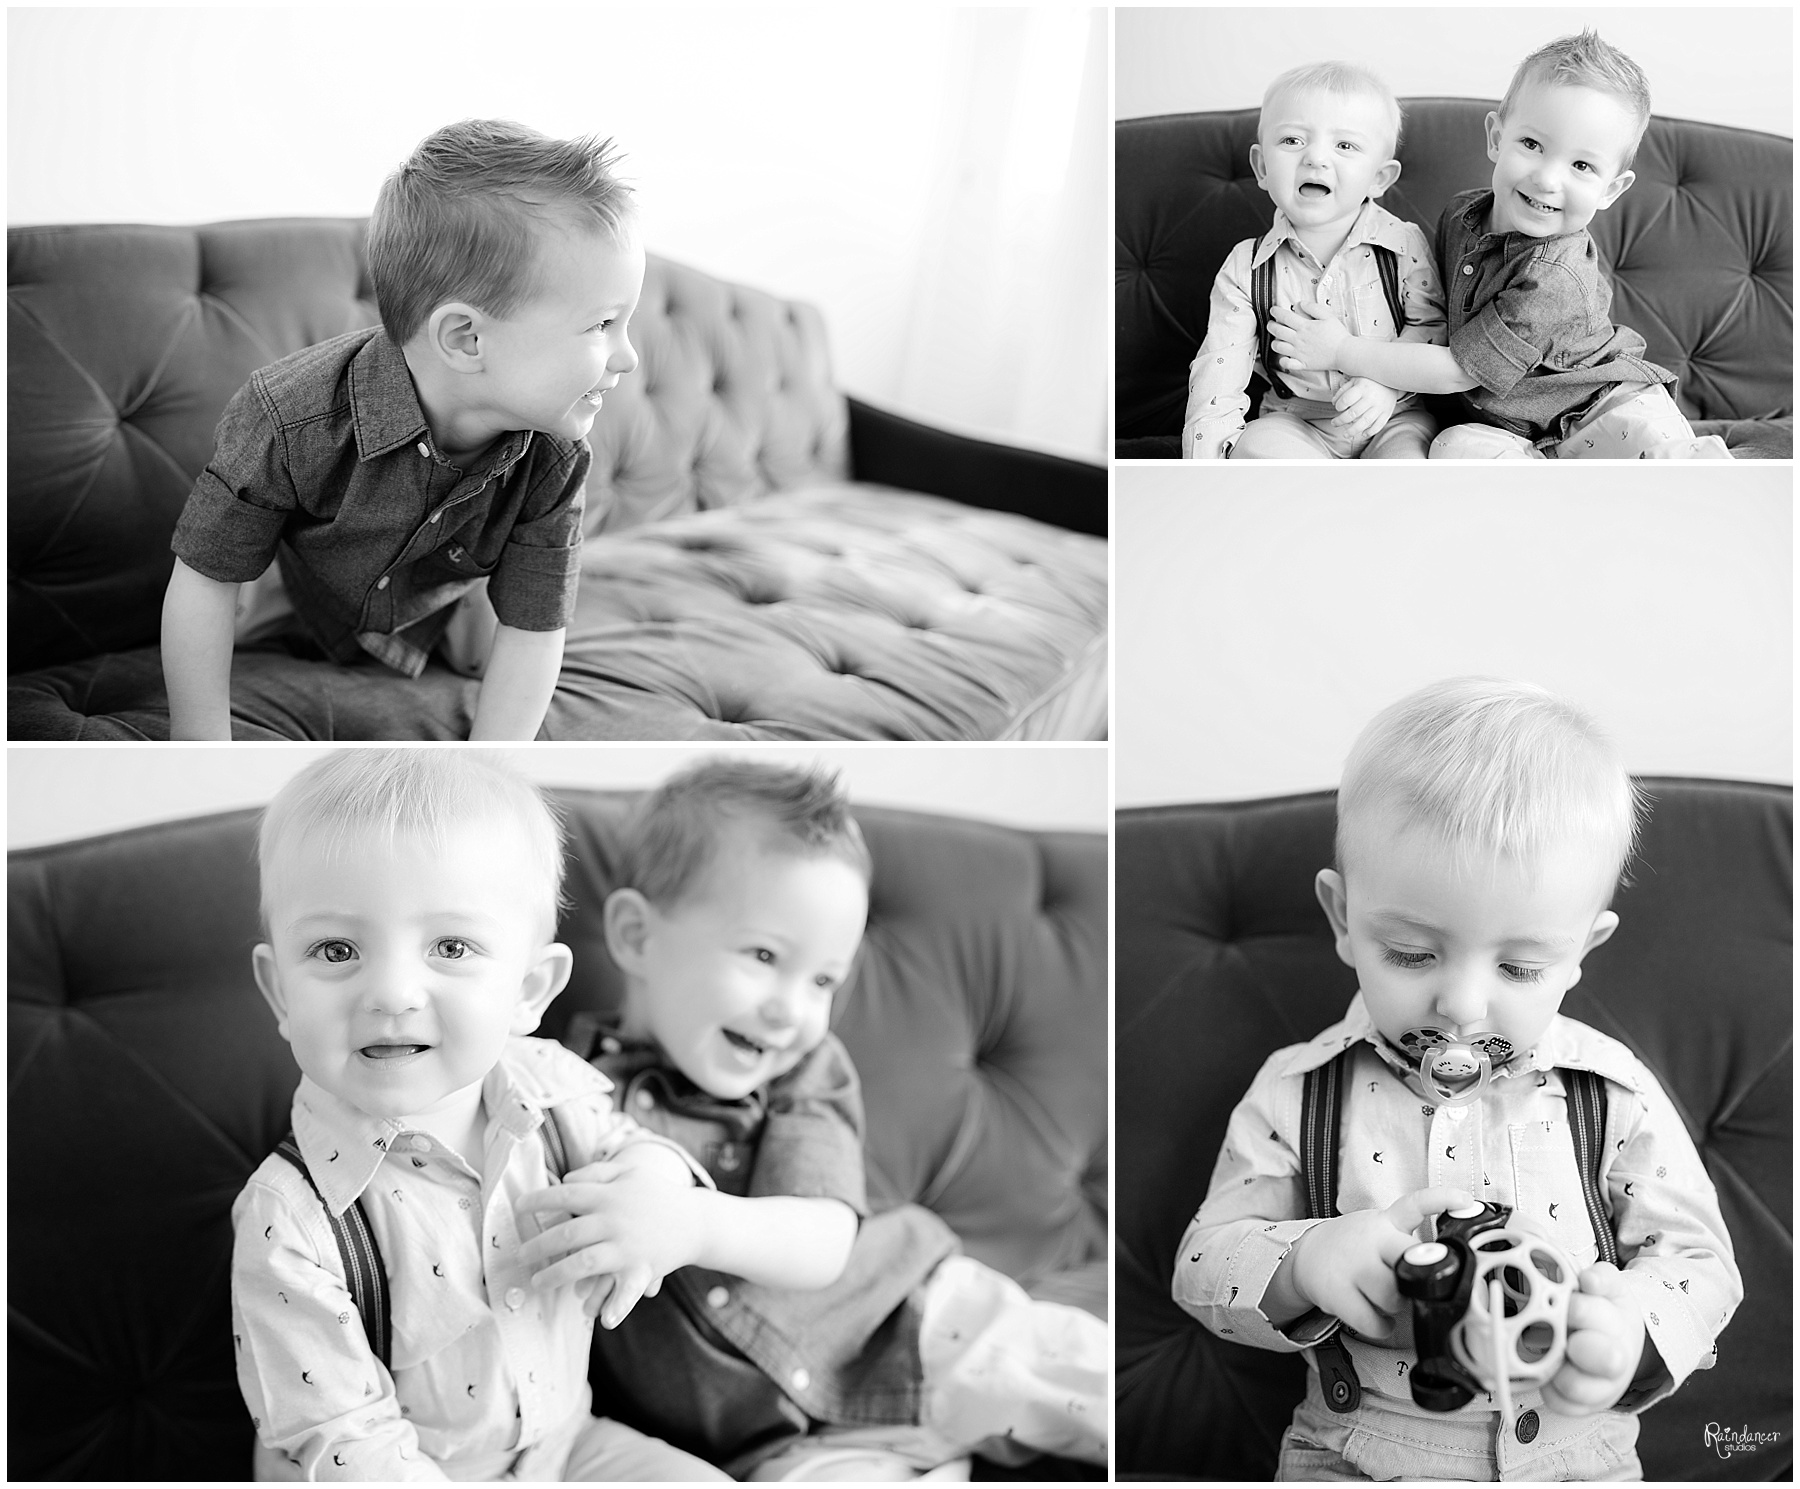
pixel 325 461
pixel 845 1354
pixel 1531 320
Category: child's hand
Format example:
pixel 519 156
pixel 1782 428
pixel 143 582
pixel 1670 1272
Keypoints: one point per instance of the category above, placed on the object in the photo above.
pixel 633 1222
pixel 1606 1342
pixel 1345 1266
pixel 1363 406
pixel 1307 339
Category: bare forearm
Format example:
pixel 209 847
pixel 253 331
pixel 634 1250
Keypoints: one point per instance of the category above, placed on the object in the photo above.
pixel 518 683
pixel 776 1240
pixel 1410 366
pixel 1282 1301
pixel 198 618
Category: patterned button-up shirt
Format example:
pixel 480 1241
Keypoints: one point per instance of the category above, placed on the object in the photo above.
pixel 1512 1147
pixel 484 1367
pixel 1350 285
pixel 325 460
pixel 1531 319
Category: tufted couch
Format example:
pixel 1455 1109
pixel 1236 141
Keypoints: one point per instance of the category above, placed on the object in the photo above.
pixel 765 557
pixel 1223 956
pixel 147 1081
pixel 1700 252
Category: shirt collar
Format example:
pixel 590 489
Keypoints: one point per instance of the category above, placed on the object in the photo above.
pixel 1475 216
pixel 1566 1044
pixel 385 409
pixel 1374 224
pixel 344 1146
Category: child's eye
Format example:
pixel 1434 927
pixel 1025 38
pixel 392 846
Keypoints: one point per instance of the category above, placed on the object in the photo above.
pixel 451 948
pixel 1526 142
pixel 1348 145
pixel 762 954
pixel 1412 959
pixel 1289 139
pixel 825 981
pixel 334 952
pixel 1582 165
pixel 1515 973
pixel 601 327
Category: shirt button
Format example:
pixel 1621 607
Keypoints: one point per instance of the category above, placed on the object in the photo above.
pixel 421 1144
pixel 1527 1426
pixel 717 1298
pixel 645 1100
pixel 800 1380
pixel 382 582
pixel 425 449
pixel 610 1046
pixel 1456 1113
pixel 515 1298
pixel 1468 268
pixel 434 516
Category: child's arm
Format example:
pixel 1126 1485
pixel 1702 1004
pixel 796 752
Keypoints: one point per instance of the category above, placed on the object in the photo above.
pixel 1220 371
pixel 198 619
pixel 1311 339
pixel 315 1391
pixel 517 684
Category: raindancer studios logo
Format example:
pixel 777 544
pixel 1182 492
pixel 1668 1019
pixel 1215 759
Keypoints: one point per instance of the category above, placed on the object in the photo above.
pixel 1728 1440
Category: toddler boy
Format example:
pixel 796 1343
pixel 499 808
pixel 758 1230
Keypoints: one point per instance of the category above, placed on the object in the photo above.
pixel 744 891
pixel 419 484
pixel 1533 350
pixel 1324 153
pixel 409 899
pixel 1482 827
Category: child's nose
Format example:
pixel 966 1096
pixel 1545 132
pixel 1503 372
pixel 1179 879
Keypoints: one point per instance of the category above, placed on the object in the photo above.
pixel 625 359
pixel 1462 999
pixel 392 989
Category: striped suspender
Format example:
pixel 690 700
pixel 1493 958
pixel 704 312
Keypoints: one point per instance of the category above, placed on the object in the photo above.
pixel 1389 268
pixel 1321 1103
pixel 365 1274
pixel 1586 1095
pixel 1262 301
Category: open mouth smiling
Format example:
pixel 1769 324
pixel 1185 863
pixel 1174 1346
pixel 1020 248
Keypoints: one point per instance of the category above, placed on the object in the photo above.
pixel 391 1051
pixel 1542 209
pixel 744 1043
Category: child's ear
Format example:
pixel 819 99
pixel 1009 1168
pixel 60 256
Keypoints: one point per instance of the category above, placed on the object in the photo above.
pixel 1493 135
pixel 627 922
pixel 1384 178
pixel 452 335
pixel 1605 923
pixel 1256 163
pixel 548 976
pixel 1617 188
pixel 262 963
pixel 1329 886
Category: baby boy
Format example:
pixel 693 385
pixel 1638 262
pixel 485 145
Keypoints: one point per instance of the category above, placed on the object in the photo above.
pixel 1533 349
pixel 418 486
pixel 806 1325
pixel 1482 828
pixel 409 900
pixel 1324 152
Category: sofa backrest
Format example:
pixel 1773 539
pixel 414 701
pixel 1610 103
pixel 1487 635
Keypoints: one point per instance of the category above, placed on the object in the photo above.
pixel 147 1080
pixel 1223 957
pixel 126 342
pixel 1700 249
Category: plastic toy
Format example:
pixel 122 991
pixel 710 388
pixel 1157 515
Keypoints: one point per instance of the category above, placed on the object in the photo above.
pixel 1454 1069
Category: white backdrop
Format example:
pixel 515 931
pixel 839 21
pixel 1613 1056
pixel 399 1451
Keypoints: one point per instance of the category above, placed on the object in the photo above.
pixel 934 179
pixel 58 792
pixel 1269 618
pixel 1723 65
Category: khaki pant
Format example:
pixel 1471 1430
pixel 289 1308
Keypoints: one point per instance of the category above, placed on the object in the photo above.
pixel 1645 425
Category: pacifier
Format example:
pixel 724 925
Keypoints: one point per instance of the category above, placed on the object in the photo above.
pixel 1453 1069
pixel 1490 1302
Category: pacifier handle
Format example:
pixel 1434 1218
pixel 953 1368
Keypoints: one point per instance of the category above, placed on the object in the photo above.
pixel 1442 1095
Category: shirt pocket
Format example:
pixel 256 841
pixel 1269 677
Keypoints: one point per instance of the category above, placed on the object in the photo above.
pixel 1371 315
pixel 1547 1187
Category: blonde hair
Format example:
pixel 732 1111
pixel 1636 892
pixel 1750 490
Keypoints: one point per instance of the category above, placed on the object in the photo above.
pixel 1585 61
pixel 410 793
pixel 1344 79
pixel 1493 767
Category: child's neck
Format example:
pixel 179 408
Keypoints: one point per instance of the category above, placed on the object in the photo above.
pixel 459 1122
pixel 462 435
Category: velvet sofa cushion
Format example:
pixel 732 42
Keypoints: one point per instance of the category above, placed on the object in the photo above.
pixel 1223 956
pixel 1699 250
pixel 837 611
pixel 147 1081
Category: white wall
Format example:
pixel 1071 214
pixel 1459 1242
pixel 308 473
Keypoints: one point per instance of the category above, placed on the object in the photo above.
pixel 59 792
pixel 1723 65
pixel 825 154
pixel 1270 617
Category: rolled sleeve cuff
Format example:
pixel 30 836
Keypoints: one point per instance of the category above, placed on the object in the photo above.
pixel 623 1140
pixel 1673 1325
pixel 823 1163
pixel 223 537
pixel 533 589
pixel 1210 439
pixel 1251 1268
pixel 1492 353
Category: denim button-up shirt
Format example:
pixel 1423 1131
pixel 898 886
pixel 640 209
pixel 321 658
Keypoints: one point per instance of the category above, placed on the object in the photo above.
pixel 1511 1147
pixel 325 459
pixel 1530 319
pixel 739 1368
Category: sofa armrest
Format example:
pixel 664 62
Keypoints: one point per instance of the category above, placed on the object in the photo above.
pixel 895 451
